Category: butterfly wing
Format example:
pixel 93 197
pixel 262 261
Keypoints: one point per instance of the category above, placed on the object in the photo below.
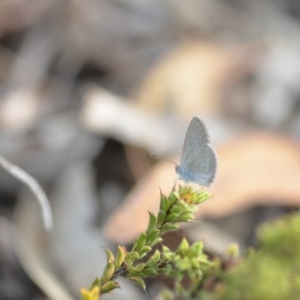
pixel 200 167
pixel 198 159
pixel 196 136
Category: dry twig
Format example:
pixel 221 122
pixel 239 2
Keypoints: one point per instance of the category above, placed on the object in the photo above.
pixel 34 186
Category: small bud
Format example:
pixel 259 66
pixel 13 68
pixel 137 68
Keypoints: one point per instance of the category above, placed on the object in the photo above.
pixel 150 272
pixel 161 217
pixel 131 256
pixel 109 286
pixel 119 258
pixel 92 294
pixel 233 250
pixel 153 234
pixel 186 217
pixel 183 247
pixel 168 227
pixel 138 280
pixel 108 271
pixel 138 268
pixel 144 251
pixel 141 241
pixel 156 241
pixel 172 217
pixel 165 203
pixel 152 221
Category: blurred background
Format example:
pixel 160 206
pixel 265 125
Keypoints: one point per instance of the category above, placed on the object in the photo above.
pixel 90 89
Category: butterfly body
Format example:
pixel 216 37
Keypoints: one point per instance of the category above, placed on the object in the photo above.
pixel 198 159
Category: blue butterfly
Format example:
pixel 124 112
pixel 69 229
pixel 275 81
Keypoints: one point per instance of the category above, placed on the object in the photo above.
pixel 198 161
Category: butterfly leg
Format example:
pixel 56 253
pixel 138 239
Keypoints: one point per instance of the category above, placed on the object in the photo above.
pixel 177 180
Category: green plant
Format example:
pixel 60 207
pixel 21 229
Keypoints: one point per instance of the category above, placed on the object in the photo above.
pixel 190 260
pixel 272 272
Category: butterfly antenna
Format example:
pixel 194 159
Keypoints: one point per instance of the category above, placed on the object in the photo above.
pixel 157 157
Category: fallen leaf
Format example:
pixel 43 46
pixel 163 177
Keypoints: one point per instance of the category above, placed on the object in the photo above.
pixel 190 80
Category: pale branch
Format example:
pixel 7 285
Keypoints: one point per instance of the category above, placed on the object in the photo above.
pixel 34 186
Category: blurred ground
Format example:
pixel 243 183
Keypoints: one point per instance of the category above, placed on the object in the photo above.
pixel 90 89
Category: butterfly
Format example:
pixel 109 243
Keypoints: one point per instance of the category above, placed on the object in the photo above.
pixel 198 161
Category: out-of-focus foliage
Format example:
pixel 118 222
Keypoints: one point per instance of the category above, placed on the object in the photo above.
pixel 272 272
pixel 187 260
